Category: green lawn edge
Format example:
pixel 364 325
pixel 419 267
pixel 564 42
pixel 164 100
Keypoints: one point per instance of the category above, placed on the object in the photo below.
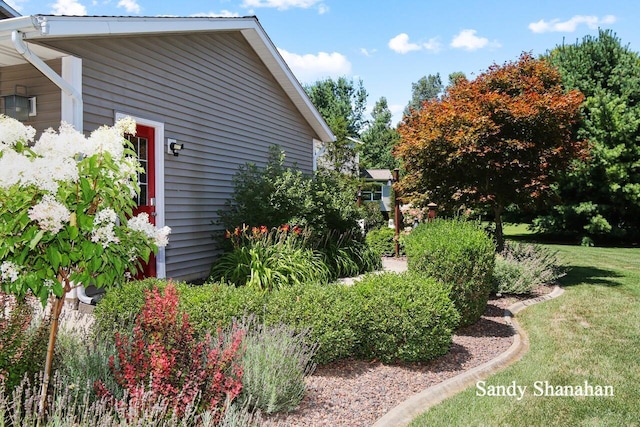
pixel 591 333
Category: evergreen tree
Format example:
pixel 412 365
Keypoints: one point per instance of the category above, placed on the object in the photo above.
pixel 379 139
pixel 601 197
pixel 425 89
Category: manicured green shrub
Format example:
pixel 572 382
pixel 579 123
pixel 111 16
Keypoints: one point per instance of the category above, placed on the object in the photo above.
pixel 327 311
pixel 381 240
pixel 215 305
pixel 404 317
pixel 521 267
pixel 460 255
pixel 275 362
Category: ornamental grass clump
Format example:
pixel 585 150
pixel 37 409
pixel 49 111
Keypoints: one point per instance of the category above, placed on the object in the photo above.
pixel 347 254
pixel 522 267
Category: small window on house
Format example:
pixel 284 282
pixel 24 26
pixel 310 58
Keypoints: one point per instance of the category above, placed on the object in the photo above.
pixel 372 194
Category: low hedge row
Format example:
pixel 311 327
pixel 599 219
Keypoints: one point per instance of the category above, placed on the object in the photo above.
pixel 390 317
pixel 460 255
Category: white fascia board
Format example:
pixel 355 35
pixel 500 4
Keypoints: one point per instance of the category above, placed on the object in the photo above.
pixel 87 26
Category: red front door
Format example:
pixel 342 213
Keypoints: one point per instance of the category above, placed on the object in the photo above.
pixel 143 144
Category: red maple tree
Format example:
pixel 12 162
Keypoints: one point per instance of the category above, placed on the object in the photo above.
pixel 491 141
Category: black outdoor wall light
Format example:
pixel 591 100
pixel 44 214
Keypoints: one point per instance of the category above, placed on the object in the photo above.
pixel 175 147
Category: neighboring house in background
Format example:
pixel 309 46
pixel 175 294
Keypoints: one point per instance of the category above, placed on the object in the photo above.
pixel 378 189
pixel 215 87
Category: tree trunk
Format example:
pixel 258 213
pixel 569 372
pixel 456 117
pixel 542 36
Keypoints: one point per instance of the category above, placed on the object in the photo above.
pixel 58 303
pixel 497 211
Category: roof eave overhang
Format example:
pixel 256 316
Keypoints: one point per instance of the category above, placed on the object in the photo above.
pixel 41 27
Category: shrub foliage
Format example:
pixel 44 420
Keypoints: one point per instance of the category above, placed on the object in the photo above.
pixel 521 267
pixel 460 255
pixel 161 361
pixel 405 317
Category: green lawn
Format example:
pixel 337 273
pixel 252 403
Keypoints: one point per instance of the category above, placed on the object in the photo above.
pixel 591 333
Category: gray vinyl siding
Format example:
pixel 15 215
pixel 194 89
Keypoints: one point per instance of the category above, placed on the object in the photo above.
pixel 214 94
pixel 47 94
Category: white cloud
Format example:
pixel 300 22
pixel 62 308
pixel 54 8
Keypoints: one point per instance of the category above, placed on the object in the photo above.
pixel 309 68
pixel 68 7
pixel 222 14
pixel 555 25
pixel 401 44
pixel 467 40
pixel 397 111
pixel 433 45
pixel 130 6
pixel 287 4
pixel 367 52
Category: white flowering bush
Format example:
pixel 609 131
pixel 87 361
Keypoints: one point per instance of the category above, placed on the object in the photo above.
pixel 66 204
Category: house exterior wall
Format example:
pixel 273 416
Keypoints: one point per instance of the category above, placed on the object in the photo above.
pixel 214 94
pixel 46 93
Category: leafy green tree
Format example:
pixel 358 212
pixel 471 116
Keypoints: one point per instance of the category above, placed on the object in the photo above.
pixel 456 77
pixel 379 139
pixel 66 205
pixel 342 104
pixel 601 196
pixel 492 141
pixel 425 89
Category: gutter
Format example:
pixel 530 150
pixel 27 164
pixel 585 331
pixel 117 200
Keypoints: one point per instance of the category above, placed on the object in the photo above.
pixel 22 48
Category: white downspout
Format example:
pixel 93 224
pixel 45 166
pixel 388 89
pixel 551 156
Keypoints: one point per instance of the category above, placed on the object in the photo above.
pixel 22 48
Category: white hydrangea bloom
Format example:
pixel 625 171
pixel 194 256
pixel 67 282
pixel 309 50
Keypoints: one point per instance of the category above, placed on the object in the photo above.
pixel 46 173
pixel 104 227
pixel 9 272
pixel 50 214
pixel 12 167
pixel 126 125
pixel 108 139
pixel 105 216
pixel 141 223
pixel 66 143
pixel 161 237
pixel 11 131
pixel 104 235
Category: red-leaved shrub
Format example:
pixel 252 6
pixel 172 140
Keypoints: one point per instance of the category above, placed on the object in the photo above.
pixel 163 362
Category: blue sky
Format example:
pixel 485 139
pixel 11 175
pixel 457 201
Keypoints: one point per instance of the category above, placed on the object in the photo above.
pixel 390 44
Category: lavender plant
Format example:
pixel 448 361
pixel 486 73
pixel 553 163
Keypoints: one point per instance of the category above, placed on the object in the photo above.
pixel 522 267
